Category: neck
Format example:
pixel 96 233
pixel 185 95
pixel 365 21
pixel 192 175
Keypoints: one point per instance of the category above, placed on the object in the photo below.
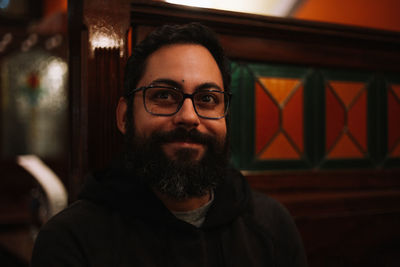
pixel 186 204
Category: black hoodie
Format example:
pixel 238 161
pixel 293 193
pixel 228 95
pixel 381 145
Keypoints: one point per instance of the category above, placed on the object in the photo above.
pixel 119 222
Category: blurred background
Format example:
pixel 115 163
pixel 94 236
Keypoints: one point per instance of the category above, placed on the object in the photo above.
pixel 61 68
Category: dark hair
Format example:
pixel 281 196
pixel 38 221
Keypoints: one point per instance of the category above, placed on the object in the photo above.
pixel 193 33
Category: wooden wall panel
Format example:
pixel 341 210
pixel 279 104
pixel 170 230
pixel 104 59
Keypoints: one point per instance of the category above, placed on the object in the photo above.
pixel 105 87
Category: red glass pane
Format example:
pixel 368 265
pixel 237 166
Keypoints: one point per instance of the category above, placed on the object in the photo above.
pixel 334 118
pixel 280 148
pixel 396 90
pixel 346 91
pixel 293 118
pixel 357 120
pixel 267 118
pixel 396 152
pixel 279 88
pixel 393 120
pixel 345 148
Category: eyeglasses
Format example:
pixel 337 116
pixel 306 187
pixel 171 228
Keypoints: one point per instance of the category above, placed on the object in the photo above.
pixel 166 101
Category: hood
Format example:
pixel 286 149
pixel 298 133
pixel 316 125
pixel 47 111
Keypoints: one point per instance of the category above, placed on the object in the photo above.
pixel 118 189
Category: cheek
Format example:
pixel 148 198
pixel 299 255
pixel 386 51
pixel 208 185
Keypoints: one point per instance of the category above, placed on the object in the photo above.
pixel 140 119
pixel 145 124
pixel 217 128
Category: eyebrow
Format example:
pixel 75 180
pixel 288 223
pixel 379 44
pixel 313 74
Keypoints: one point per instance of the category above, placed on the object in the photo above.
pixel 208 85
pixel 177 85
pixel 168 82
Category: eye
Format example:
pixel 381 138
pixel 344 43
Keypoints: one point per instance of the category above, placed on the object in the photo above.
pixel 162 94
pixel 208 98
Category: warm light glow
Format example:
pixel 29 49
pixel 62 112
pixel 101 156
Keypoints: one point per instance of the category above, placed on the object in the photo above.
pixel 197 3
pixel 101 40
pixel 53 79
pixel 261 7
pixel 108 22
pixel 54 76
pixel 56 69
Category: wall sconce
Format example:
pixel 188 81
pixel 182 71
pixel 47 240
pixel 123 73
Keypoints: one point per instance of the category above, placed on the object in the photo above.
pixel 107 22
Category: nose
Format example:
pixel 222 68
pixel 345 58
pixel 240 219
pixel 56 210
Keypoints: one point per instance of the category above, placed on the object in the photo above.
pixel 187 116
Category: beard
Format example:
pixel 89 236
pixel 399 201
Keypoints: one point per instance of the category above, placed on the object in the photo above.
pixel 183 176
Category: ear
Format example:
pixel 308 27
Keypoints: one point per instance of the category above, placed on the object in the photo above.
pixel 121 115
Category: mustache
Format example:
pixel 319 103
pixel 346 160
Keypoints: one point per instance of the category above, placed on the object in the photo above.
pixel 183 135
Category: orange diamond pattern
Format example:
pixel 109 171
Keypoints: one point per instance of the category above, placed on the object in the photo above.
pixel 346 115
pixel 346 91
pixel 292 116
pixel 279 88
pixel 345 148
pixel 335 118
pixel 279 118
pixel 357 120
pixel 280 148
pixel 267 118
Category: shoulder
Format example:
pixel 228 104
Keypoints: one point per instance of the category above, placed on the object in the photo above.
pixel 275 219
pixel 272 216
pixel 268 210
pixel 64 237
pixel 79 214
pixel 79 221
pixel 78 210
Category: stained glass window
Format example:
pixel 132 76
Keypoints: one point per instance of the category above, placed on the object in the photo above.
pixel 279 118
pixel 34 104
pixel 394 121
pixel 287 117
pixel 346 119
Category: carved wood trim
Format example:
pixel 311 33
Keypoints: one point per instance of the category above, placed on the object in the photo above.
pixel 262 38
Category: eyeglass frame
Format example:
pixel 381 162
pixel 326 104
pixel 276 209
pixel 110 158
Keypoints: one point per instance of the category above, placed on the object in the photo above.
pixel 185 96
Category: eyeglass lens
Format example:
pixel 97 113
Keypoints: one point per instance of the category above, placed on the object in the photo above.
pixel 167 101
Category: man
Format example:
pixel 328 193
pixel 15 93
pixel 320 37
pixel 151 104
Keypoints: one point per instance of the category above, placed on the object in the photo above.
pixel 172 199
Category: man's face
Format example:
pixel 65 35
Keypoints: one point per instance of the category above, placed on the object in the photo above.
pixel 188 67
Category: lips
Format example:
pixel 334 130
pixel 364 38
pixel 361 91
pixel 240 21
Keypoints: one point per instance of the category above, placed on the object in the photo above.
pixel 183 136
pixel 184 150
pixel 185 144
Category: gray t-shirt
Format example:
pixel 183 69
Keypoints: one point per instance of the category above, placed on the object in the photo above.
pixel 195 217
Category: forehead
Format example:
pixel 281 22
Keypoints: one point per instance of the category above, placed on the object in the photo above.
pixel 191 64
